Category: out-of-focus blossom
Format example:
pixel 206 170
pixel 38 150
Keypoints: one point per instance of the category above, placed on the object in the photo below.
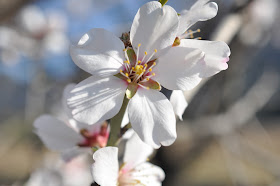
pixel 71 138
pixel 141 70
pixel 134 170
pixel 33 20
pixel 55 172
pixel 261 16
pixel 9 53
pixel 47 26
pixel 63 137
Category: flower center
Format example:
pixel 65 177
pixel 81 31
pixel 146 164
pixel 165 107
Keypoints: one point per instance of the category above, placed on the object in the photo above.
pixel 138 70
pixel 126 177
pixel 92 139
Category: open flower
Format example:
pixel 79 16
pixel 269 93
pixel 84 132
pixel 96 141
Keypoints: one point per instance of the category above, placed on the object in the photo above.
pixel 139 73
pixel 134 170
pixel 216 52
pixel 71 138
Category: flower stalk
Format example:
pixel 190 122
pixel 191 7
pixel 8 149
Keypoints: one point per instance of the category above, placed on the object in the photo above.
pixel 115 124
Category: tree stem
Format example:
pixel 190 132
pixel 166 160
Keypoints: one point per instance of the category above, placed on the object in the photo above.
pixel 115 124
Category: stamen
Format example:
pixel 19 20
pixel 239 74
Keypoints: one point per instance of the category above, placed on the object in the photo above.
pixel 198 38
pixel 148 88
pixel 139 62
pixel 146 53
pixel 189 34
pixel 154 64
pixel 138 51
pixel 153 74
pixel 126 65
pixel 155 51
pixel 124 74
pixel 128 80
pixel 139 69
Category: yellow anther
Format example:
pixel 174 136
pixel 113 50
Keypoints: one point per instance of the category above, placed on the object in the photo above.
pixel 198 30
pixel 145 65
pixel 150 70
pixel 147 79
pixel 139 62
pixel 126 74
pixel 139 69
pixel 153 74
pixel 154 63
pixel 128 80
pixel 121 70
pixel 124 49
pixel 146 53
pixel 155 50
pixel 139 44
pixel 148 88
pixel 199 38
pixel 177 42
pixel 132 68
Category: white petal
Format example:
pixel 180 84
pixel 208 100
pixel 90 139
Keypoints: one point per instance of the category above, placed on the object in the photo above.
pixel 200 11
pixel 148 174
pixel 99 52
pixel 136 152
pixel 178 102
pixel 55 134
pixel 179 68
pixel 66 91
pixel 155 27
pixel 128 134
pixel 74 123
pixel 216 54
pixel 105 168
pixel 69 154
pixel 152 118
pixel 96 99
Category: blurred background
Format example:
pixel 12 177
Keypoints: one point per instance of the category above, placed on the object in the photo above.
pixel 231 128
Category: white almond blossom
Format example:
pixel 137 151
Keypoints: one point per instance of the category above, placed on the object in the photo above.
pixel 134 170
pixel 71 138
pixel 216 52
pixel 139 72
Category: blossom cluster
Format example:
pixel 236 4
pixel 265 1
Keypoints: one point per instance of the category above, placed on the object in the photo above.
pixel 125 87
